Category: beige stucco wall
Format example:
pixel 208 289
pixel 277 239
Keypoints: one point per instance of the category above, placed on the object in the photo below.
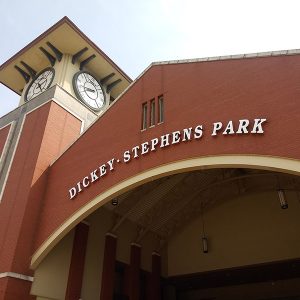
pixel 64 72
pixel 52 274
pixel 246 230
pixel 100 223
pixel 50 278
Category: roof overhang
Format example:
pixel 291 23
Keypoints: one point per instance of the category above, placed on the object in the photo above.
pixel 68 39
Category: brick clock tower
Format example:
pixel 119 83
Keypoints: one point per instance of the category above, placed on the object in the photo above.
pixel 65 83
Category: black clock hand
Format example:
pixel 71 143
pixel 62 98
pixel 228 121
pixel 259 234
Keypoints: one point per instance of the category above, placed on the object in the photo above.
pixel 39 86
pixel 89 90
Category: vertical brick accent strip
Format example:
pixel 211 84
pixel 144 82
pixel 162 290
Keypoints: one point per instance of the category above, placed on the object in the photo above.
pixel 155 291
pixel 73 291
pixel 125 284
pixel 108 271
pixel 134 272
pixel 4 132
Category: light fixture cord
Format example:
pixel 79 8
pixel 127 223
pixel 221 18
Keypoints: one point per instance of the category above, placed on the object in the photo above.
pixel 202 218
pixel 278 183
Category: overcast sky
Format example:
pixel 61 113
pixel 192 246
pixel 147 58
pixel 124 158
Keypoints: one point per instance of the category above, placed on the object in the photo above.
pixel 134 33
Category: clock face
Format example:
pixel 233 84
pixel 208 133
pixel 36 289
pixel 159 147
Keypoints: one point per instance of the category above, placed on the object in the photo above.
pixel 40 83
pixel 89 90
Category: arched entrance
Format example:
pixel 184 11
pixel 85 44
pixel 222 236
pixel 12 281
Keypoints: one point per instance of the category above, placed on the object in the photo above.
pixel 252 242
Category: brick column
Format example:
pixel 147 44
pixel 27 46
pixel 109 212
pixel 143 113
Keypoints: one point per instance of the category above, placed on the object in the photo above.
pixel 134 272
pixel 39 136
pixel 125 284
pixel 73 291
pixel 155 277
pixel 108 271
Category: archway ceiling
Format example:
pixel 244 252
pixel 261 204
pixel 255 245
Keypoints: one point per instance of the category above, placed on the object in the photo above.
pixel 164 205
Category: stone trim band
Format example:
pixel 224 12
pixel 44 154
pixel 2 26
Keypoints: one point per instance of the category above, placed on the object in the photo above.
pixel 16 275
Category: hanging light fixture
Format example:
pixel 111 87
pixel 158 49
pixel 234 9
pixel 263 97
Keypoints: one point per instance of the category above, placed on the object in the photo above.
pixel 282 199
pixel 204 244
pixel 114 201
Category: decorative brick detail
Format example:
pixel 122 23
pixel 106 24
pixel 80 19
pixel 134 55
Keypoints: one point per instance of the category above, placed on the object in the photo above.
pixel 108 271
pixel 73 291
pixel 134 272
pixel 155 277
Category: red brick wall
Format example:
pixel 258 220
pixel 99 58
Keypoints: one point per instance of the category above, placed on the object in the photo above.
pixel 61 130
pixel 17 188
pixel 20 289
pixel 194 93
pixel 76 269
pixel 3 137
pixel 46 133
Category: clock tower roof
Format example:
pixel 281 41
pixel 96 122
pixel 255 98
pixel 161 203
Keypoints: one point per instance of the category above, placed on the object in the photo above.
pixel 64 37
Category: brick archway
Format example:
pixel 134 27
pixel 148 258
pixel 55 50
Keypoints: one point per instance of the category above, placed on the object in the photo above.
pixel 276 164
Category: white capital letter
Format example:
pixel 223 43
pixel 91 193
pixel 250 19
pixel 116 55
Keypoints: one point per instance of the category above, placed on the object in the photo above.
pixel 176 137
pixel 198 132
pixel 94 177
pixel 85 182
pixel 187 132
pixel 154 143
pixel 135 151
pixel 243 126
pixel 164 140
pixel 111 164
pixel 126 156
pixel 72 192
pixel 217 127
pixel 102 169
pixel 229 128
pixel 257 126
pixel 145 148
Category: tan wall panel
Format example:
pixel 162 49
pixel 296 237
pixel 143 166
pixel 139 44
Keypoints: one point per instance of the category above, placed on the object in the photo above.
pixel 149 244
pixel 242 231
pixel 52 274
pixel 100 222
pixel 127 234
pixel 50 278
